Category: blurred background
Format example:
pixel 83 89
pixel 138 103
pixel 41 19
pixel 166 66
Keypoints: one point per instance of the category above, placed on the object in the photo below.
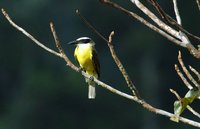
pixel 38 91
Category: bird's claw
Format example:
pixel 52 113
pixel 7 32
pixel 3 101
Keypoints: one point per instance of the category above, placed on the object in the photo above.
pixel 91 78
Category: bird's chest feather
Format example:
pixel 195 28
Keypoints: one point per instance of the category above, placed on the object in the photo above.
pixel 84 55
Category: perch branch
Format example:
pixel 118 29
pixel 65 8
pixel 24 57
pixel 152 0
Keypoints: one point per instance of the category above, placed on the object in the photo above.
pixel 111 89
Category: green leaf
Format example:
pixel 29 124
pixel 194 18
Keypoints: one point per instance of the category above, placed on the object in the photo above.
pixel 192 94
pixel 180 105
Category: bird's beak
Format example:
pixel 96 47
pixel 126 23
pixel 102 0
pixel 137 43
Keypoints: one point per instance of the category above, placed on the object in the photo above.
pixel 73 42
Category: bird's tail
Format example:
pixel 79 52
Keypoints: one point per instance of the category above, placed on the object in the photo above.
pixel 91 89
pixel 91 92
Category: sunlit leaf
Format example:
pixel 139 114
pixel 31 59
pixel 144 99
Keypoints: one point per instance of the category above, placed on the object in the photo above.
pixel 180 105
pixel 192 94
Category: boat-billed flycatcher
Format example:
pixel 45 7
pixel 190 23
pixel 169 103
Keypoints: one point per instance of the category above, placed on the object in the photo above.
pixel 86 56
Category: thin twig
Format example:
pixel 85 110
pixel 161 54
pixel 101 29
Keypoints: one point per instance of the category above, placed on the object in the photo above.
pixel 90 26
pixel 187 73
pixel 178 18
pixel 195 72
pixel 158 8
pixel 176 94
pixel 58 45
pixel 171 21
pixel 121 67
pixel 115 58
pixel 182 77
pixel 134 98
pixel 193 111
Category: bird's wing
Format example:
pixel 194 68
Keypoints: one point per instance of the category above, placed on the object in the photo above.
pixel 95 61
pixel 76 59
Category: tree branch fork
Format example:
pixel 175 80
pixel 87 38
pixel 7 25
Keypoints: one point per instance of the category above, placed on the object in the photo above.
pixel 61 54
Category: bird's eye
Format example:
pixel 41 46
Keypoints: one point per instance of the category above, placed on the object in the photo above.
pixel 86 40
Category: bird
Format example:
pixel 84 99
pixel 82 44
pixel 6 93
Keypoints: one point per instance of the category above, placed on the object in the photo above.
pixel 86 56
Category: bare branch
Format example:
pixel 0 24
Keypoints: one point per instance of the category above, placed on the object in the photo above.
pixel 158 8
pixel 90 26
pixel 58 45
pixel 195 72
pixel 193 111
pixel 176 94
pixel 121 67
pixel 182 77
pixel 143 21
pixel 171 21
pixel 28 35
pixel 153 17
pixel 186 71
pixel 198 4
pixel 178 18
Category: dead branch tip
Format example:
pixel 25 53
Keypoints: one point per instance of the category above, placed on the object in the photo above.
pixel 77 11
pixel 179 54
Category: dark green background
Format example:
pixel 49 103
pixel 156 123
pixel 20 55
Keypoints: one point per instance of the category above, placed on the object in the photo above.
pixel 38 91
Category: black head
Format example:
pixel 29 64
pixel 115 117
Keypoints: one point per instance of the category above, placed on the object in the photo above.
pixel 82 40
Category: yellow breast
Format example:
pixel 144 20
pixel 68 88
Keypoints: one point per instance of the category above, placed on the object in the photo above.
pixel 83 54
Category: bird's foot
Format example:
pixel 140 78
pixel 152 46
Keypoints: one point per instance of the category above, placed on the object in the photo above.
pixel 91 78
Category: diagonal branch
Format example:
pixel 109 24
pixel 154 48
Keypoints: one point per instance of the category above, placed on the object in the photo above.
pixel 187 73
pixel 189 86
pixel 195 72
pixel 143 21
pixel 170 32
pixel 58 45
pixel 121 67
pixel 154 18
pixel 171 21
pixel 178 18
pixel 193 111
